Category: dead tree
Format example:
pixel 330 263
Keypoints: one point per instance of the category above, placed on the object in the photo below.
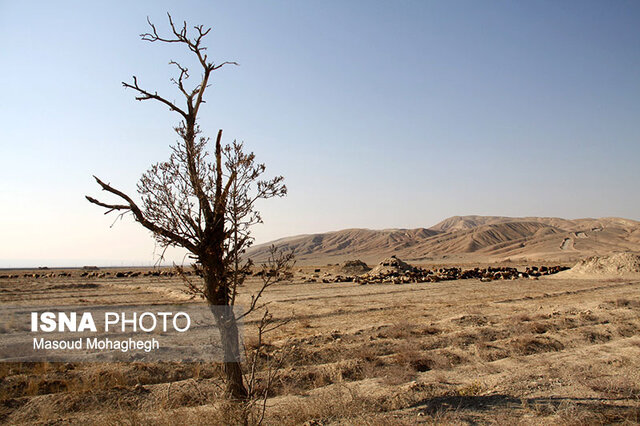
pixel 201 203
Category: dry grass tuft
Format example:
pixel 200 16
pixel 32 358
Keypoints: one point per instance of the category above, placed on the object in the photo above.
pixel 399 330
pixel 596 336
pixel 538 327
pixel 338 403
pixel 530 345
pixel 472 389
pixel 627 387
pixel 626 303
pixel 472 319
pixel 220 413
pixel 488 352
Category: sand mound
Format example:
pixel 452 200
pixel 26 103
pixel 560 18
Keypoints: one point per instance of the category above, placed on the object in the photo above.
pixel 354 267
pixel 615 265
pixel 391 265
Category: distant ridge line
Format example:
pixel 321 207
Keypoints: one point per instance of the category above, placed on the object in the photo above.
pixel 468 238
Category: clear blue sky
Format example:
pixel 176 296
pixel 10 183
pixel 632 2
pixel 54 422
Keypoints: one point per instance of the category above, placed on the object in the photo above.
pixel 379 114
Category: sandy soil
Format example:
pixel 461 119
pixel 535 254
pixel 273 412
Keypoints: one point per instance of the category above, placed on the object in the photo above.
pixel 561 351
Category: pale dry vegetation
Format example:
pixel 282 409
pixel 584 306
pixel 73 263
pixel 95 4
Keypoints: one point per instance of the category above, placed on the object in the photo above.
pixel 530 352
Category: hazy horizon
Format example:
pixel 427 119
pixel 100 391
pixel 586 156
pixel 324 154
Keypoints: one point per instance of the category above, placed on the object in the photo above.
pixel 155 262
pixel 378 115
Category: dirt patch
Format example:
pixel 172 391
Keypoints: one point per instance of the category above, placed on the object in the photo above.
pixel 391 265
pixel 354 267
pixel 616 265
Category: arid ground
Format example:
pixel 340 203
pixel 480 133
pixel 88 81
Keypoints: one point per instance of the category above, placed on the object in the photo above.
pixel 530 351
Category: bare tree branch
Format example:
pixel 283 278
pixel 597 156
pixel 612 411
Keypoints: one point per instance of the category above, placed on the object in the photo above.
pixel 145 95
pixel 275 270
pixel 142 220
pixel 111 207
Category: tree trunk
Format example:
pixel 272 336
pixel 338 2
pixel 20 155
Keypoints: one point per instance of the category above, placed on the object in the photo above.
pixel 218 298
pixel 229 338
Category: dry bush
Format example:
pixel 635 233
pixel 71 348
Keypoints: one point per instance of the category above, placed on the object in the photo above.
pixel 472 389
pixel 588 316
pixel 123 417
pixel 401 367
pixel 465 338
pixel 30 379
pixel 538 327
pixel 106 377
pixel 376 419
pixel 530 345
pixel 336 404
pixel 619 386
pixel 420 361
pixel 528 317
pixel 596 336
pixel 353 370
pixel 616 415
pixel 186 394
pixel 220 413
pixel 40 386
pixel 626 303
pixel 472 319
pixel 396 374
pixel 490 353
pixel 522 317
pixel 304 323
pixel 341 405
pixel 627 329
pixel 447 359
pixel 7 369
pixel 399 330
pixel 252 341
pixel 109 375
pixel 294 381
pixel 372 351
pixel 568 322
pixel 163 372
pixel 406 352
pixel 429 330
pixel 436 342
pixel 490 334
pixel 302 354
pixel 369 368
pixel 570 413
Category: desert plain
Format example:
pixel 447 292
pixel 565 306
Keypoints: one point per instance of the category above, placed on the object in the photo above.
pixel 549 349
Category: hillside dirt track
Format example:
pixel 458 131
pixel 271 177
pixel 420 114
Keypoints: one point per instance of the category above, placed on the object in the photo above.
pixel 562 351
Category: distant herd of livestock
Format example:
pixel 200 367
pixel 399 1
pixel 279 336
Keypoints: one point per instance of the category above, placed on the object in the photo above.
pixel 98 274
pixel 420 275
pixel 413 275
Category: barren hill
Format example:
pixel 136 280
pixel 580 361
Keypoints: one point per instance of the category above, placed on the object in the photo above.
pixel 340 245
pixel 470 239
